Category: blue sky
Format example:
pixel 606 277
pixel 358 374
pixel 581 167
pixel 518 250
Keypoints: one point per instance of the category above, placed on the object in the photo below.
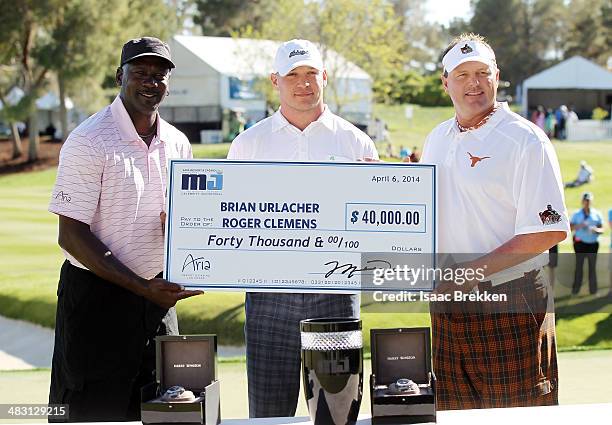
pixel 443 11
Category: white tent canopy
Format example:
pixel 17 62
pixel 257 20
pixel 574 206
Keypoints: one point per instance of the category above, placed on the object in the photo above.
pixel 48 102
pixel 242 57
pixel 574 74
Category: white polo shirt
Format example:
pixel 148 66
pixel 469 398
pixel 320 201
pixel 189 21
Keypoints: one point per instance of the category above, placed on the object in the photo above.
pixel 111 180
pixel 495 182
pixel 329 138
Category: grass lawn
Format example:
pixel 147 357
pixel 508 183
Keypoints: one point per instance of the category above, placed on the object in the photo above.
pixel 31 259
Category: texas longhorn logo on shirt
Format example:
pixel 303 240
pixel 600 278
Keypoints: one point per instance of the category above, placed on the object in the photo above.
pixel 549 216
pixel 476 159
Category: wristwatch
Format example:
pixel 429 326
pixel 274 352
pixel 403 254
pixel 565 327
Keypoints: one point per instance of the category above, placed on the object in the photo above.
pixel 406 385
pixel 173 393
pixel 178 393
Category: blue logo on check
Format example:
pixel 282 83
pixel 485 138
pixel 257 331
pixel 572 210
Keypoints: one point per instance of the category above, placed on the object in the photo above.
pixel 202 182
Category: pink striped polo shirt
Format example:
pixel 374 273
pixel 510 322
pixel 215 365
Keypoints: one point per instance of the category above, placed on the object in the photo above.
pixel 111 180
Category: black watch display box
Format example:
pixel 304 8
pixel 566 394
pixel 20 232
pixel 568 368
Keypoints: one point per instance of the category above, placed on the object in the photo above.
pixel 189 361
pixel 402 353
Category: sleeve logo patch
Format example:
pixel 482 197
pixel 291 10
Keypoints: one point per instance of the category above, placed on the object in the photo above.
pixel 63 197
pixel 549 216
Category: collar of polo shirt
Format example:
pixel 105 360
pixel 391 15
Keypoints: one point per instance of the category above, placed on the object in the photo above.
pixel 126 128
pixel 482 132
pixel 279 121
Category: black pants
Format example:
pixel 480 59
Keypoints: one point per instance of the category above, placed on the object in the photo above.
pixel 104 347
pixel 108 400
pixel 586 251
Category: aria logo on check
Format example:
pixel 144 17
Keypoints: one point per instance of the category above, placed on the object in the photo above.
pixel 195 264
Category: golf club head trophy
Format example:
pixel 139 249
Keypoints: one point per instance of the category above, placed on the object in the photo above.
pixel 332 367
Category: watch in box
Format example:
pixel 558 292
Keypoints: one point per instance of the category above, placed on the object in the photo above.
pixel 186 388
pixel 402 384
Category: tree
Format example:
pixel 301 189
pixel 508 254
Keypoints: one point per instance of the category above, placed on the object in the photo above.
pixel 78 40
pixel 527 35
pixel 80 47
pixel 458 26
pixel 224 17
pixel 10 112
pixel 412 86
pixel 590 30
pixel 399 87
pixel 9 77
pixel 86 36
pixel 366 33
pixel 23 25
pixel 424 40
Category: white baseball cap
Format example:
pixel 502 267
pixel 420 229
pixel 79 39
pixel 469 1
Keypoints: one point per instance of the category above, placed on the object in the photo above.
pixel 468 51
pixel 294 53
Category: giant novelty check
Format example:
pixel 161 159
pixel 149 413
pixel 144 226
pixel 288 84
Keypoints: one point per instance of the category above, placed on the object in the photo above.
pixel 294 226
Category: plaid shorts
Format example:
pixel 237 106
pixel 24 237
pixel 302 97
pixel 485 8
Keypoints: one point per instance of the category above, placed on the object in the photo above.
pixel 273 345
pixel 496 358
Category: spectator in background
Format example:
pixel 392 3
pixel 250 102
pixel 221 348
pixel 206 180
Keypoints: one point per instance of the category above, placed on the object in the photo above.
pixel 237 122
pixel 587 224
pixel 534 115
pixel 541 117
pixel 572 119
pixel 415 156
pixel 386 135
pixel 404 153
pixel 572 116
pixel 378 130
pixel 50 131
pixel 22 128
pixel 585 175
pixel 389 151
pixel 561 116
pixel 250 123
pixel 549 123
pixel 538 116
